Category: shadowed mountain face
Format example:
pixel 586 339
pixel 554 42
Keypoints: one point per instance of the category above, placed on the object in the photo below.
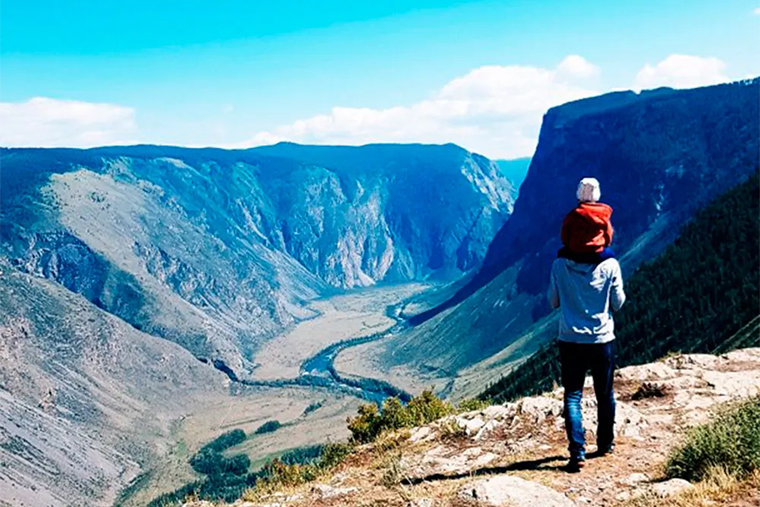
pixel 660 156
pixel 218 250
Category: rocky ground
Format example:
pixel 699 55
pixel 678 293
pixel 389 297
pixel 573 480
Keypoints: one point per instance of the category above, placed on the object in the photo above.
pixel 514 454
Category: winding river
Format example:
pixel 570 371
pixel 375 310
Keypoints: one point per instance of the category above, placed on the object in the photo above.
pixel 319 371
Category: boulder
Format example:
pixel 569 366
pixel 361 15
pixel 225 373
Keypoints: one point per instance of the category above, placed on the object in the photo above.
pixel 325 492
pixel 538 408
pixel 634 479
pixel 499 412
pixel 509 491
pixel 671 487
pixel 443 460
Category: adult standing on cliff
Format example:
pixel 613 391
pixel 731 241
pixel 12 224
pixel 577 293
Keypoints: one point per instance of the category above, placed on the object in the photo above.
pixel 587 290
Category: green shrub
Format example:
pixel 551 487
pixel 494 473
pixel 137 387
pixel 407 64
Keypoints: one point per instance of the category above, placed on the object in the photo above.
pixel 228 479
pixel 730 442
pixel 225 441
pixel 302 455
pixel 333 455
pixel 472 404
pixel 213 463
pixel 278 473
pixel 366 425
pixel 268 427
pixel 422 409
pixel 426 408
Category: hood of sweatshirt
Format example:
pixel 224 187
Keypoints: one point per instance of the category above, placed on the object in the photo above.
pixel 596 212
pixel 580 267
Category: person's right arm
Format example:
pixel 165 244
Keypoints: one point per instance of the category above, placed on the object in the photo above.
pixel 617 294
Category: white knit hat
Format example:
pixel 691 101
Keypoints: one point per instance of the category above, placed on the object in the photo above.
pixel 588 190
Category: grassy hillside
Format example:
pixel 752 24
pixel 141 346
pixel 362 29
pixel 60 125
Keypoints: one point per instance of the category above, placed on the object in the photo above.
pixel 700 295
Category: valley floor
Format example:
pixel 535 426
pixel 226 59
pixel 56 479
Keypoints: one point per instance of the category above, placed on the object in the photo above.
pixel 246 409
pixel 342 317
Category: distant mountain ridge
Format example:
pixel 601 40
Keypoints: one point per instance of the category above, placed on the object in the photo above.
pixel 514 170
pixel 218 250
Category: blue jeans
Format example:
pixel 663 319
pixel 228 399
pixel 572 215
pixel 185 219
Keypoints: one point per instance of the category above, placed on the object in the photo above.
pixel 577 359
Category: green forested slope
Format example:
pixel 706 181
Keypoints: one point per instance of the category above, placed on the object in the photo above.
pixel 700 295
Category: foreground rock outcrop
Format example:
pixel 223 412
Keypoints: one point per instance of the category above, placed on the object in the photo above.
pixel 514 454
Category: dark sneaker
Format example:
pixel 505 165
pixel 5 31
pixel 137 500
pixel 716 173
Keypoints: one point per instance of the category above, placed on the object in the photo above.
pixel 575 464
pixel 605 450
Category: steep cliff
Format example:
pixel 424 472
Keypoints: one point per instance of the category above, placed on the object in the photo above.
pixel 660 156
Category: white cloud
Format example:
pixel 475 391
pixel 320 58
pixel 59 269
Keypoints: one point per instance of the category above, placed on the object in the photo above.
pixel 682 71
pixel 50 122
pixel 756 12
pixel 578 66
pixel 494 110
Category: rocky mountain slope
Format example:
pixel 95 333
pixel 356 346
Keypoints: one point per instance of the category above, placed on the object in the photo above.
pixel 85 399
pixel 513 454
pixel 218 250
pixel 660 156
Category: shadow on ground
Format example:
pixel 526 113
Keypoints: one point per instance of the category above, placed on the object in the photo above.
pixel 535 464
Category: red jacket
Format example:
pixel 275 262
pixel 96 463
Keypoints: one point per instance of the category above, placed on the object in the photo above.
pixel 588 228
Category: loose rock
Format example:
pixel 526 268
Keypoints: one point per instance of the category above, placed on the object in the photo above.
pixel 509 491
pixel 671 487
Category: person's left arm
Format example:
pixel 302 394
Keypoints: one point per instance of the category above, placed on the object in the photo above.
pixel 617 294
pixel 553 291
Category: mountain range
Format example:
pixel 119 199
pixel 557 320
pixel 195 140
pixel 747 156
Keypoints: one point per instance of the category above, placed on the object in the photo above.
pixel 131 275
pixel 219 250
pixel 124 269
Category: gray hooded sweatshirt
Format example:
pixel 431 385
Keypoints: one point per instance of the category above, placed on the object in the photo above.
pixel 587 295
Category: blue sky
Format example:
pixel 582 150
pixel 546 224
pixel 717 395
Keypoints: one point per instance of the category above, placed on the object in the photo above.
pixel 240 73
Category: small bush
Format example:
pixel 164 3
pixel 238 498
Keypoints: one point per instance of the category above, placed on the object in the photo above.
pixel 228 478
pixel 450 430
pixel 472 404
pixel 427 408
pixel 333 455
pixel 311 408
pixel 213 463
pixel 268 427
pixel 730 442
pixel 302 455
pixel 279 474
pixel 225 441
pixel 649 390
pixel 366 425
pixel 422 409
